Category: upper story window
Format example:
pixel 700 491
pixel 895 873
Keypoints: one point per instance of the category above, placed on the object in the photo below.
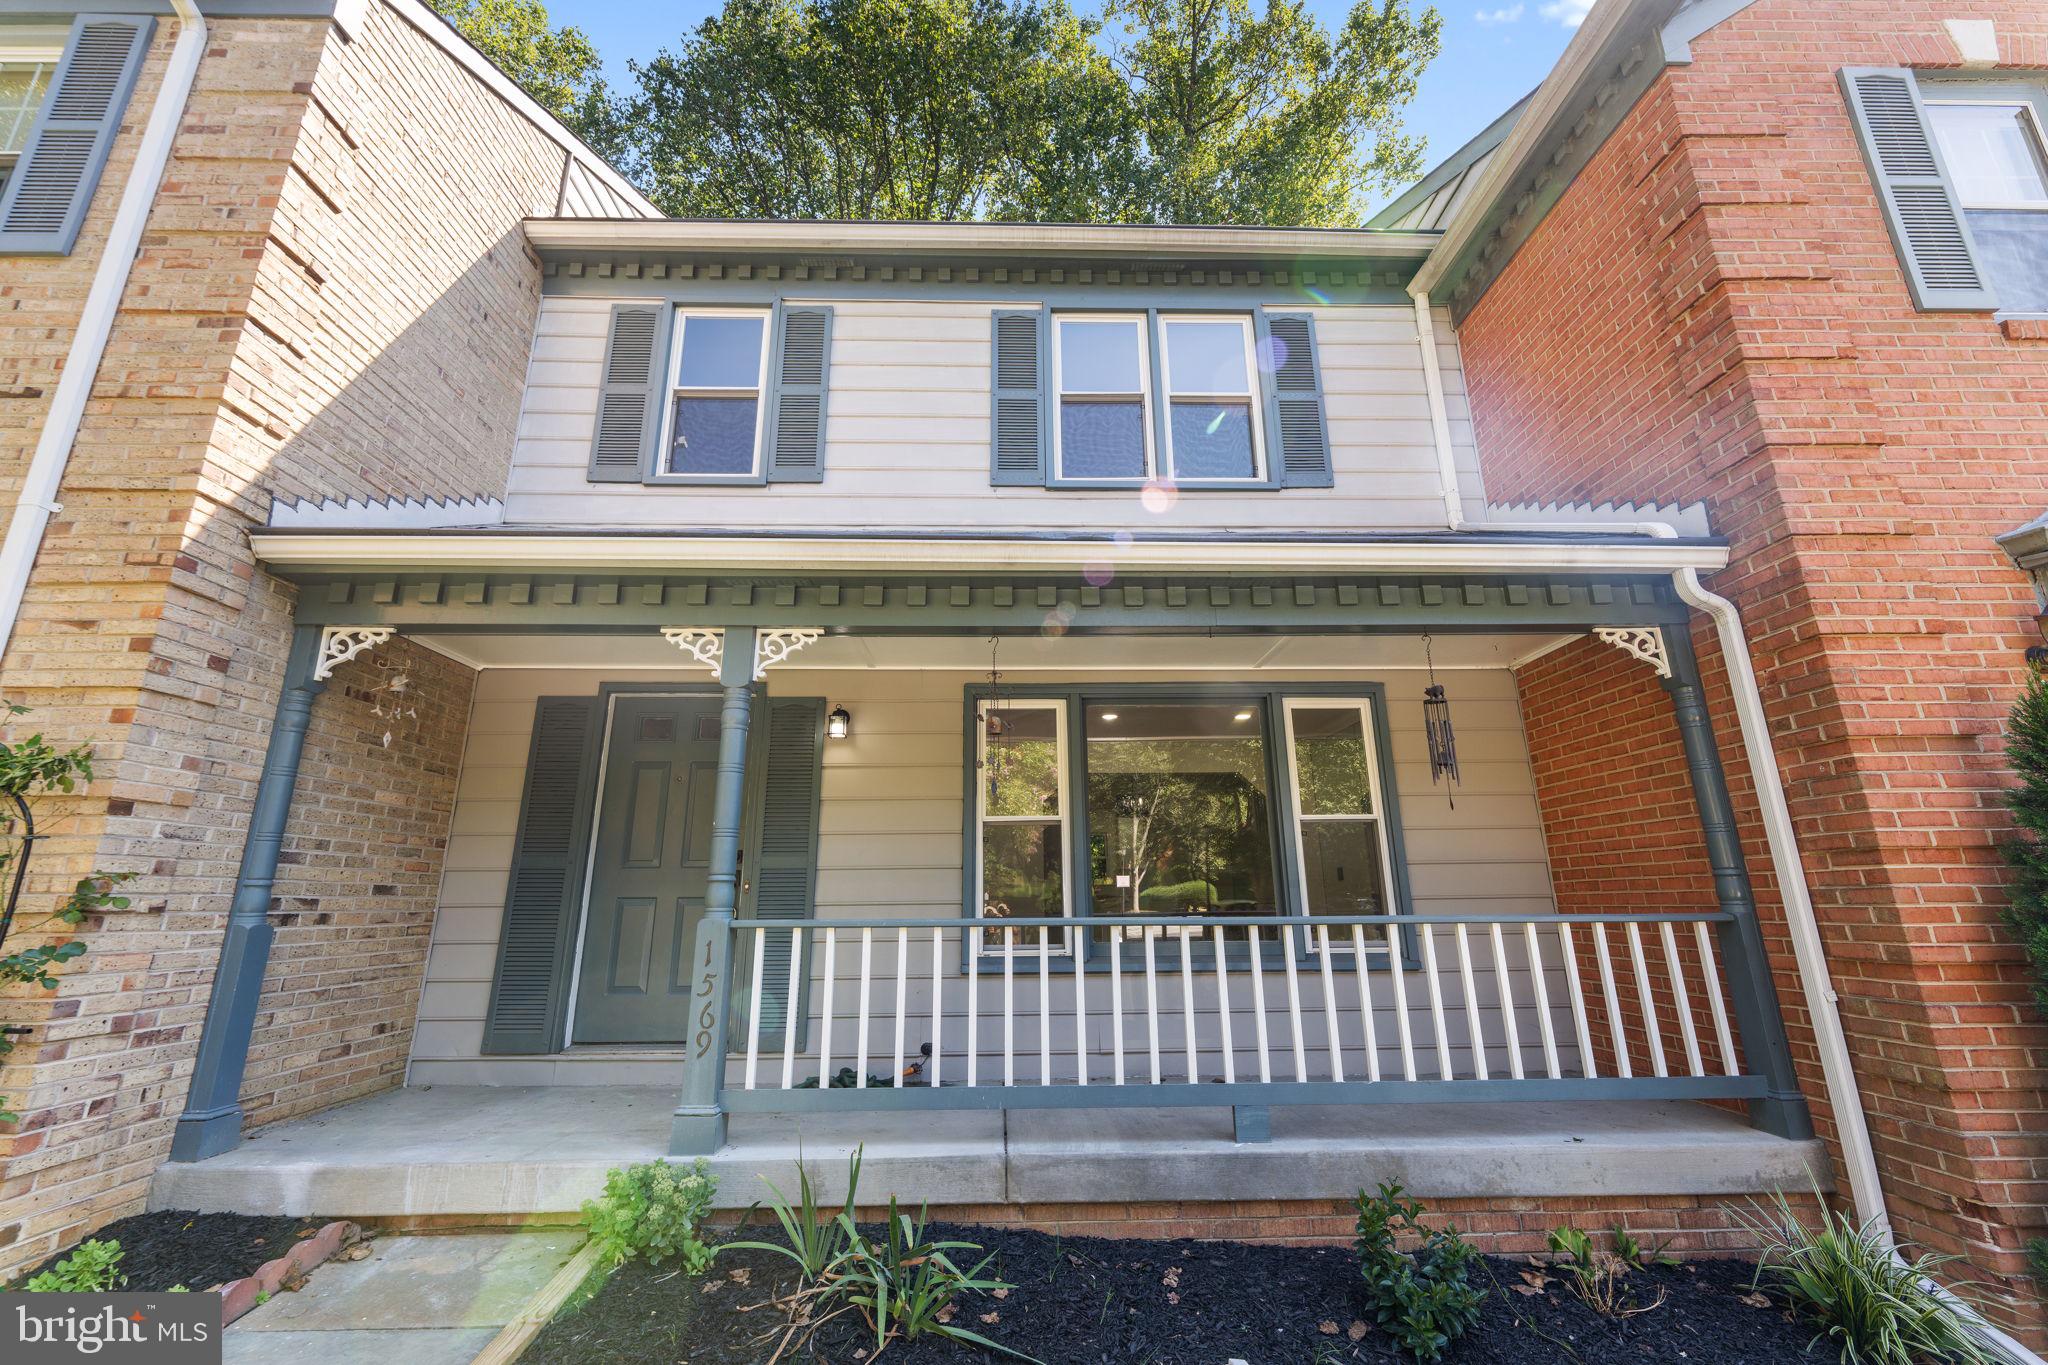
pixel 1961 170
pixel 1212 428
pixel 1996 158
pixel 715 408
pixel 1105 427
pixel 25 71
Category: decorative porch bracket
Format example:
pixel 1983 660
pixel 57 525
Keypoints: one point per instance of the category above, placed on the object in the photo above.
pixel 1641 642
pixel 769 648
pixel 698 1128
pixel 1782 1108
pixel 212 1121
pixel 339 644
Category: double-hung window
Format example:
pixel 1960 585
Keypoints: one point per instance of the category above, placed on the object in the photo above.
pixel 1254 803
pixel 715 408
pixel 25 71
pixel 1021 806
pixel 1104 430
pixel 1212 426
pixel 1109 381
pixel 1998 162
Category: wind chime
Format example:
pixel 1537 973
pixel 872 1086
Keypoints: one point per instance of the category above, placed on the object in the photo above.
pixel 995 724
pixel 390 701
pixel 1436 723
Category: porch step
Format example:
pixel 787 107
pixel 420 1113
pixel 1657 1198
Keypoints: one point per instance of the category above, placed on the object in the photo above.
pixel 449 1150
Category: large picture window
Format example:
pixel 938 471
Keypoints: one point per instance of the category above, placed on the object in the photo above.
pixel 1231 805
pixel 1108 379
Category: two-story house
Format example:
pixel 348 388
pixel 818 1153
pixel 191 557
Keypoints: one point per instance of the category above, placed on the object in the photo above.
pixel 1070 708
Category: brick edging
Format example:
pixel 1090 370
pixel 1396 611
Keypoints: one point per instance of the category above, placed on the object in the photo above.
pixel 237 1297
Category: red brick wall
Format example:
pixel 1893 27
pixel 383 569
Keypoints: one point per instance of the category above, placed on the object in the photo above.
pixel 1714 312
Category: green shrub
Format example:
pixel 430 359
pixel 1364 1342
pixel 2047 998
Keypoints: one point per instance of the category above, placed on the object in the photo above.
pixel 94 1268
pixel 2026 748
pixel 1846 1283
pixel 653 1211
pixel 904 1284
pixel 1424 1301
pixel 2037 1260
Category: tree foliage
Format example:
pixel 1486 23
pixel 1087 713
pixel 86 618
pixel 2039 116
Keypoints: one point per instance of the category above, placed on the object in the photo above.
pixel 559 67
pixel 1190 111
pixel 2026 747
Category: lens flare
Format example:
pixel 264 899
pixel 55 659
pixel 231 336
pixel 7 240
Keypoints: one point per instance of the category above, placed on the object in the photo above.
pixel 1098 574
pixel 1158 497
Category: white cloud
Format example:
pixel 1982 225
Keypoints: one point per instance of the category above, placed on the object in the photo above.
pixel 1506 14
pixel 1570 13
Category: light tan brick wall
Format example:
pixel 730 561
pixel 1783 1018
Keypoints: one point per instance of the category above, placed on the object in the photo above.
pixel 332 298
pixel 1715 311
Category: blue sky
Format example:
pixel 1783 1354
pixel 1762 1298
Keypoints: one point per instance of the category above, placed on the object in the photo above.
pixel 1494 51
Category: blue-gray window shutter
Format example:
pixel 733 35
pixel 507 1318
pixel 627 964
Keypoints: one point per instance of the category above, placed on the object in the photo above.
pixel 1017 410
pixel 803 362
pixel 51 189
pixel 783 860
pixel 534 945
pixel 1297 441
pixel 629 398
pixel 1920 204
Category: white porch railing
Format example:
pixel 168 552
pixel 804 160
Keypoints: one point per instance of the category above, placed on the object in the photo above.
pixel 1170 1010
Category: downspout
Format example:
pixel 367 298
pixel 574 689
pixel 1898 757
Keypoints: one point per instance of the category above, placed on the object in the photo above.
pixel 36 502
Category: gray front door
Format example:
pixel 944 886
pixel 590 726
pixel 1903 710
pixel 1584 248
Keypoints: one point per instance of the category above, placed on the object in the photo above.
pixel 649 873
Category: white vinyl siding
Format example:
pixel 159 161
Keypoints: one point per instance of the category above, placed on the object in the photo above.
pixel 890 838
pixel 907 436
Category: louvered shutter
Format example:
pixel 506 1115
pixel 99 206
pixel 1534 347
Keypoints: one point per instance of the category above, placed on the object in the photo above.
pixel 784 856
pixel 538 935
pixel 52 185
pixel 803 359
pixel 629 394
pixel 1920 204
pixel 1297 442
pixel 1017 414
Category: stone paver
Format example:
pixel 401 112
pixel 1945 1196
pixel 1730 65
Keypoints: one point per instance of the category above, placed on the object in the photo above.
pixel 419 1300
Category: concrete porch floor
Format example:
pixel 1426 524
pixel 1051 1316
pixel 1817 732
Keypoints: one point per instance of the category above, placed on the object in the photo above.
pixel 512 1150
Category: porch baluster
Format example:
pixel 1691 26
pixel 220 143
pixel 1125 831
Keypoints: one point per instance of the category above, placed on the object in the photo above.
pixel 1646 1002
pixel 932 1077
pixel 1543 1022
pixel 831 960
pixel 1082 1052
pixel 1009 1006
pixel 1617 1032
pixel 1401 1005
pixel 1434 980
pixel 1729 1065
pixel 860 1021
pixel 1151 1004
pixel 1476 1038
pixel 902 995
pixel 1681 1002
pixel 1504 987
pixel 1580 1028
pixel 1358 966
pixel 1187 1004
pixel 1223 1006
pixel 1044 1005
pixel 1259 1001
pixel 975 939
pixel 1116 998
pixel 1336 1048
pixel 754 1013
pixel 789 1006
pixel 1294 1004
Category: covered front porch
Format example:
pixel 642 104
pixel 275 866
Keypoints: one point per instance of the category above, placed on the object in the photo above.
pixel 1138 880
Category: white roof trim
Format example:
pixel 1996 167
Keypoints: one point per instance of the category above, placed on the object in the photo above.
pixel 1055 239
pixel 379 514
pixel 443 35
pixel 826 554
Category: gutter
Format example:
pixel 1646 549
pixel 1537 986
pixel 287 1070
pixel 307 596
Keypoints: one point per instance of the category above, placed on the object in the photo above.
pixel 36 503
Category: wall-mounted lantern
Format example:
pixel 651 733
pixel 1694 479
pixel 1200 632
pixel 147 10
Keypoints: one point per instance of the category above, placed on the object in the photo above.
pixel 839 724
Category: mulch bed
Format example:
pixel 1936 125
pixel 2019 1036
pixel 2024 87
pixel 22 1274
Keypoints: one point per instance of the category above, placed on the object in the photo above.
pixel 197 1250
pixel 1083 1301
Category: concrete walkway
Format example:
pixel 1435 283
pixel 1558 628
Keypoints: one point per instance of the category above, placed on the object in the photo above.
pixel 412 1301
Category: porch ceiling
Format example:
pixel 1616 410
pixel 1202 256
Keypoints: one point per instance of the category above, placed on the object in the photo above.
pixel 1123 654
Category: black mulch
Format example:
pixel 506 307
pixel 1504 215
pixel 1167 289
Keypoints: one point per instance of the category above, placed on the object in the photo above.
pixel 1082 1301
pixel 197 1250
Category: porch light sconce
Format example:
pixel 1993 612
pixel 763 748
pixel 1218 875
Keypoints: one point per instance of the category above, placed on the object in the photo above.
pixel 839 724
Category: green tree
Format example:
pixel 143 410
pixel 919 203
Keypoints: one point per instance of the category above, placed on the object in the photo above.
pixel 896 109
pixel 1193 111
pixel 2026 746
pixel 1255 116
pixel 557 66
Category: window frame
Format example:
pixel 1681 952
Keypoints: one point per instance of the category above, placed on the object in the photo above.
pixel 672 390
pixel 30 50
pixel 1254 398
pixel 1368 719
pixel 1078 894
pixel 1140 322
pixel 2030 119
pixel 974 939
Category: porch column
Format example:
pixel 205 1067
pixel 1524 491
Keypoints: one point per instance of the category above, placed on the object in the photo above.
pixel 1782 1110
pixel 212 1121
pixel 698 1128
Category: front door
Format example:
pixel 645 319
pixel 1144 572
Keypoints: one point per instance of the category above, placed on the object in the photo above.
pixel 652 859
